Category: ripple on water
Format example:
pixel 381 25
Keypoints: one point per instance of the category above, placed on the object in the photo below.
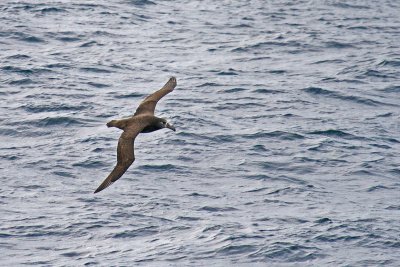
pixel 316 91
pixel 57 121
pixel 274 134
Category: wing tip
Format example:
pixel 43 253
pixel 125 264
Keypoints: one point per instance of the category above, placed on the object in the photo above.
pixel 103 186
pixel 97 190
pixel 172 80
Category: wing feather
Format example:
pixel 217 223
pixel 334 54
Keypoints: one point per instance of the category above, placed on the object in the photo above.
pixel 125 157
pixel 148 105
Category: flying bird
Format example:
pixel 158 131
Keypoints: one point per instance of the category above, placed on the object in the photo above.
pixel 142 121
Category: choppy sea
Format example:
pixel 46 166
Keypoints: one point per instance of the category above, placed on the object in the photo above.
pixel 287 144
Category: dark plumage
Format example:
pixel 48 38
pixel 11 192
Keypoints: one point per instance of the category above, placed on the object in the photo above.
pixel 143 121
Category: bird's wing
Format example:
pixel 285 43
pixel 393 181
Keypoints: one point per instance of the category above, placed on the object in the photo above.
pixel 125 156
pixel 148 105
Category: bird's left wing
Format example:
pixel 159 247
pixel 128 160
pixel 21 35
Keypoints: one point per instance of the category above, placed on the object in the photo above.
pixel 125 156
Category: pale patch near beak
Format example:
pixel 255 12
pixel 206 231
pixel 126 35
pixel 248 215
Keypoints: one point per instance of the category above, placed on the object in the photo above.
pixel 170 126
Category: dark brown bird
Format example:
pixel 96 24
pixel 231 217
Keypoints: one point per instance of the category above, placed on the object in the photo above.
pixel 143 121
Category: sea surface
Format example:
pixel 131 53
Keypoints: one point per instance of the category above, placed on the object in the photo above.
pixel 287 149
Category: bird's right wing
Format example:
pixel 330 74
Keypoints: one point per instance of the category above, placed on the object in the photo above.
pixel 148 105
pixel 125 157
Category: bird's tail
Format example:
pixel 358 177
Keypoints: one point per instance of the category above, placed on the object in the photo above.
pixel 117 123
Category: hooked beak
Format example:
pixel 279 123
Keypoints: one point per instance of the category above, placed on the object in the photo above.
pixel 170 126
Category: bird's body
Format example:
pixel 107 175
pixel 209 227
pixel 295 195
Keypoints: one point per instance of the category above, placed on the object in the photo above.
pixel 143 121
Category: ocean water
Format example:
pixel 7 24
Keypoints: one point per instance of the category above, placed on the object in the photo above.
pixel 287 144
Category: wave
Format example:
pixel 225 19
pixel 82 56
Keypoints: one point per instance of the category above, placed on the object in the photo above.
pixel 25 71
pixel 267 91
pixel 98 85
pixel 141 3
pixel 288 252
pixel 277 134
pixel 338 45
pixel 391 63
pixel 95 70
pixel 161 167
pixel 392 89
pixel 317 91
pixel 145 231
pixel 24 81
pixel 57 121
pixel 234 90
pixel 54 108
pixel 216 209
pixel 338 134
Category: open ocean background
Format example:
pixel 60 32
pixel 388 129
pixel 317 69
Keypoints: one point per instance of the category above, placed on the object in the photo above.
pixel 287 144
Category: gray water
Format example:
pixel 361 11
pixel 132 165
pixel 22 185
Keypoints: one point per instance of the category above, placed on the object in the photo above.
pixel 287 144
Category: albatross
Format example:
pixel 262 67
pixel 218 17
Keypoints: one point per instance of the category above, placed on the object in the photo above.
pixel 142 121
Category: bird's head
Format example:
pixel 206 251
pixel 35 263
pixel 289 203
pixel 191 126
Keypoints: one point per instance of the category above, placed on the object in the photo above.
pixel 163 123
